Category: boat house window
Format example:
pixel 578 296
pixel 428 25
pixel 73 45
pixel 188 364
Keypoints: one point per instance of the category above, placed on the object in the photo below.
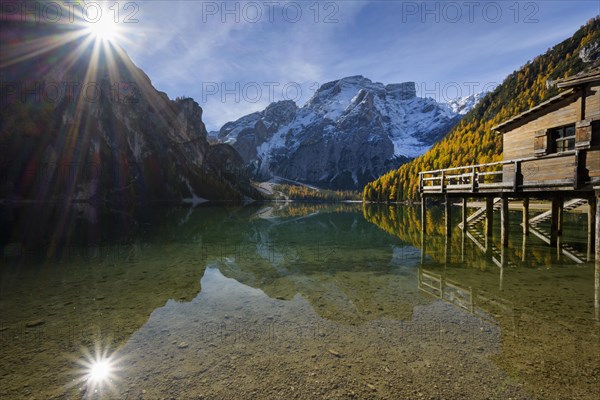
pixel 563 138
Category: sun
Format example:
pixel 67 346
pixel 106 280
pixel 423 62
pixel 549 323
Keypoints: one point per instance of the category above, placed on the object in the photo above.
pixel 104 30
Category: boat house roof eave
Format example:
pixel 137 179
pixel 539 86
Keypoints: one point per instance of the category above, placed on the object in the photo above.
pixel 532 111
pixel 579 79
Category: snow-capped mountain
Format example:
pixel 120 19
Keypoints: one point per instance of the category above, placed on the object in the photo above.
pixel 463 105
pixel 351 131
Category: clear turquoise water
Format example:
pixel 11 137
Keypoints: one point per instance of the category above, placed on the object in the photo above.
pixel 290 301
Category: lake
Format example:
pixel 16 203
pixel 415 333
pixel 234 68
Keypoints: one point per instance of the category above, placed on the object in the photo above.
pixel 286 301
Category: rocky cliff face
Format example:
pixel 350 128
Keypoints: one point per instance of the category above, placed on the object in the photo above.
pixel 81 122
pixel 351 131
pixel 251 131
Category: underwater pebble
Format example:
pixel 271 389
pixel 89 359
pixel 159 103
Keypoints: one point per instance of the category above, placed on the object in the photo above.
pixel 334 353
pixel 33 324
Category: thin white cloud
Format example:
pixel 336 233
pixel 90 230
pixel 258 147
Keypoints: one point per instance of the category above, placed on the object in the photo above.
pixel 183 49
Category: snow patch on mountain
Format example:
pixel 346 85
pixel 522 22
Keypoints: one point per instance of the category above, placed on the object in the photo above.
pixel 352 130
pixel 463 105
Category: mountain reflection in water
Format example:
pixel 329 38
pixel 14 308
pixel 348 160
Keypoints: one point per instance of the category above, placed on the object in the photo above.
pixel 290 301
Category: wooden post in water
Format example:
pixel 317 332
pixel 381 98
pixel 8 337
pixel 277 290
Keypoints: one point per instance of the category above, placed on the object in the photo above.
pixel 559 228
pixel 503 262
pixel 597 246
pixel 597 251
pixel 526 216
pixel 423 214
pixel 464 214
pixel 448 213
pixel 559 219
pixel 423 226
pixel 489 216
pixel 447 251
pixel 597 289
pixel 462 245
pixel 591 229
pixel 504 221
pixel 554 222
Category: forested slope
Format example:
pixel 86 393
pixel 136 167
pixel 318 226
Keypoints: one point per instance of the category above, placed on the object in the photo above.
pixel 472 140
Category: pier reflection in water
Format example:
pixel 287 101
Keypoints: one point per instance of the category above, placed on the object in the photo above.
pixel 544 299
pixel 293 301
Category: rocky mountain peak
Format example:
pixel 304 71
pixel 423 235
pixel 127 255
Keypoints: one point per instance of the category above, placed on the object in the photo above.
pixel 402 91
pixel 280 113
pixel 350 131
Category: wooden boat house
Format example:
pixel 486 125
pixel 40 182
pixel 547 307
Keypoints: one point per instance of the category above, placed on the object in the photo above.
pixel 551 151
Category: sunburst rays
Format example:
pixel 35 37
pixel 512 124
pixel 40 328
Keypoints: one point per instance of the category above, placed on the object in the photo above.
pixel 97 373
pixel 38 52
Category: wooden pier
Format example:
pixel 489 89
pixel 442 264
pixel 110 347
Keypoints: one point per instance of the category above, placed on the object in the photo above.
pixel 550 152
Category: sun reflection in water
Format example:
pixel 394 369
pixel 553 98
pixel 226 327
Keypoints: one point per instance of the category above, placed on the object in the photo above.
pixel 97 372
pixel 100 371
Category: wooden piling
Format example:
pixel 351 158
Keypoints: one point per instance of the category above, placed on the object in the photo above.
pixel 504 221
pixel 526 216
pixel 597 250
pixel 554 220
pixel 559 218
pixel 448 213
pixel 463 245
pixel 489 216
pixel 597 290
pixel 423 227
pixel 423 214
pixel 464 214
pixel 597 246
pixel 447 251
pixel 503 263
pixel 591 229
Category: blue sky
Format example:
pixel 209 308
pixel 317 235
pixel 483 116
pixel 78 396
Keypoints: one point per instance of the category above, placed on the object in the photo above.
pixel 235 57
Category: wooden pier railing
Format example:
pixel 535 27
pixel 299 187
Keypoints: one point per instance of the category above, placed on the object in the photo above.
pixel 533 173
